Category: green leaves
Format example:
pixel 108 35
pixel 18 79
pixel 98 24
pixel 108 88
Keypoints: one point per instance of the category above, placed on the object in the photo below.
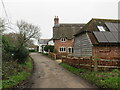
pixel 21 54
pixel 14 73
pixel 48 48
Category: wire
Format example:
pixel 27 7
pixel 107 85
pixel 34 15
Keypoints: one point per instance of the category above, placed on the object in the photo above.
pixel 5 11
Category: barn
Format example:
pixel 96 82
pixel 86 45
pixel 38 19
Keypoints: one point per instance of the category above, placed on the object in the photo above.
pixel 99 38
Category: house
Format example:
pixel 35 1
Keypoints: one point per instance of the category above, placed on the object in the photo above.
pixel 98 38
pixel 42 43
pixel 50 42
pixel 31 46
pixel 63 36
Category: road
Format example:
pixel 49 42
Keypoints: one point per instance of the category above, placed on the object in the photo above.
pixel 49 74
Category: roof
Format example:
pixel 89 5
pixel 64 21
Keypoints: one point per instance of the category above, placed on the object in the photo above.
pixel 43 41
pixel 109 36
pixel 66 30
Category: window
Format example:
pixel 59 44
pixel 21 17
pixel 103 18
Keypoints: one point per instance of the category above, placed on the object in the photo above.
pixel 70 50
pixel 101 28
pixel 62 49
pixel 63 39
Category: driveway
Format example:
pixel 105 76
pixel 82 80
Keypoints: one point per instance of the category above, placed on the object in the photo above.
pixel 48 74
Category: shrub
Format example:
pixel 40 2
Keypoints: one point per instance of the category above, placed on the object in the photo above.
pixel 21 54
pixel 48 48
pixel 13 52
pixel 33 50
pixel 7 49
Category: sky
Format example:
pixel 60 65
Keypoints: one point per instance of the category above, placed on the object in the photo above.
pixel 42 12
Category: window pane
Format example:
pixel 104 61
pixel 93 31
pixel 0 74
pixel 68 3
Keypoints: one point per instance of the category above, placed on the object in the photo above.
pixel 62 49
pixel 72 50
pixel 63 39
pixel 101 28
pixel 68 50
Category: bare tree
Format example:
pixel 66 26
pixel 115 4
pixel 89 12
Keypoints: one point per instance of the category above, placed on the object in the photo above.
pixel 27 31
pixel 2 25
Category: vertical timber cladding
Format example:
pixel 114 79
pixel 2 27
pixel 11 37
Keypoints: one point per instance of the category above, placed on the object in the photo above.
pixel 82 45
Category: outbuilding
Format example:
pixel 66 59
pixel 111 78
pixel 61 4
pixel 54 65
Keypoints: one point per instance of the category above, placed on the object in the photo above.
pixel 99 38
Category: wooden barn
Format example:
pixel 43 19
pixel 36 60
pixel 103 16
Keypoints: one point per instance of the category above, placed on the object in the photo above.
pixel 99 38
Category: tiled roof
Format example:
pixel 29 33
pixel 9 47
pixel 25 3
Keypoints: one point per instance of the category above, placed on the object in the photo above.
pixel 110 33
pixel 43 41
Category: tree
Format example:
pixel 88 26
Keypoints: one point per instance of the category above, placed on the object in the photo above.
pixel 27 31
pixel 2 25
pixel 7 49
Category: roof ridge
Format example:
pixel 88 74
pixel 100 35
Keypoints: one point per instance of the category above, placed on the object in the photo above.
pixel 105 19
pixel 73 23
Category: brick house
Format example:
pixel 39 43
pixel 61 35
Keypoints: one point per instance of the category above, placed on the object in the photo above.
pixel 63 37
pixel 98 38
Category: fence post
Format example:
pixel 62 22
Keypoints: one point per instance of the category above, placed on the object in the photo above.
pixel 91 63
pixel 55 56
pixel 95 65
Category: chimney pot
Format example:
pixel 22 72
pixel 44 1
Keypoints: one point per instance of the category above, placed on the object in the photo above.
pixel 56 20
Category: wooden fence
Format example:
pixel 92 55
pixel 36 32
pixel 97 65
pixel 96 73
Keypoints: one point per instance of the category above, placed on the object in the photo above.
pixel 57 55
pixel 90 63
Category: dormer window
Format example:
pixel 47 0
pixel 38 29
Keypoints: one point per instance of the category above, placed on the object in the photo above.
pixel 63 39
pixel 101 28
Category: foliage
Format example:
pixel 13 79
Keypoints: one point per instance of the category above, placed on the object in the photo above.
pixel 21 54
pixel 48 48
pixel 7 49
pixel 14 80
pixel 33 50
pixel 108 79
pixel 14 73
pixel 10 51
pixel 46 54
pixel 73 69
pixel 2 25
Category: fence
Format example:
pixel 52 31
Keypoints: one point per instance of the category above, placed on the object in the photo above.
pixel 57 55
pixel 90 63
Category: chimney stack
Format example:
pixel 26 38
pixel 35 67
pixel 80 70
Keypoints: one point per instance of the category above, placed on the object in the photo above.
pixel 56 20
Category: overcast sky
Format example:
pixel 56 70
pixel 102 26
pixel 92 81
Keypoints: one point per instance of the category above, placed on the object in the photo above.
pixel 42 12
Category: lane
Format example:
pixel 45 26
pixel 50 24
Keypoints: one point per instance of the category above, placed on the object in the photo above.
pixel 48 74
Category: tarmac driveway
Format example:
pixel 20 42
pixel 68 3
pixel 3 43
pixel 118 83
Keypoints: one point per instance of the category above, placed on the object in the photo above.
pixel 48 74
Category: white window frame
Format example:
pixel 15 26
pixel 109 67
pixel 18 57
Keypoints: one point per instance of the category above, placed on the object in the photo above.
pixel 71 49
pixel 101 28
pixel 63 39
pixel 63 49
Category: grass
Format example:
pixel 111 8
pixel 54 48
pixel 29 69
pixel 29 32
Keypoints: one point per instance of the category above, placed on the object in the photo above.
pixel 17 74
pixel 108 79
pixel 14 80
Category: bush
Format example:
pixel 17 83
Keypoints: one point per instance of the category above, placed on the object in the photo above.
pixel 48 48
pixel 21 54
pixel 11 52
pixel 7 49
pixel 14 73
pixel 33 50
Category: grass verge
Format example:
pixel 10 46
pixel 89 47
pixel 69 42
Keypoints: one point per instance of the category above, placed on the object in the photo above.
pixel 17 74
pixel 108 79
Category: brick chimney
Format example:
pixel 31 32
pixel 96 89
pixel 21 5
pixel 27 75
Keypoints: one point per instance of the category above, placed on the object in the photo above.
pixel 56 20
